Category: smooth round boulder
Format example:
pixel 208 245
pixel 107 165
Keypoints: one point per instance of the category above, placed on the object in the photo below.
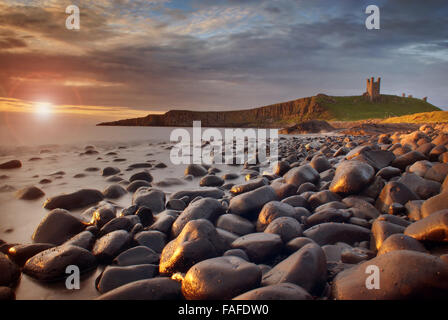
pixel 211 181
pixel 137 184
pixel 400 241
pixel 110 171
pixel 306 268
pixel 57 227
pixel 403 274
pixel 407 159
pixel 148 289
pixel 273 210
pixel 235 224
pixel 424 188
pixel 9 271
pixel 29 193
pixel 394 192
pixel 113 277
pixel 111 245
pixel 434 204
pixel 141 176
pixel 300 175
pixel 381 230
pixel 286 227
pixel 431 228
pixel 276 292
pixel 204 192
pixel 151 198
pixel 136 256
pixel 250 203
pixel 259 246
pixel 198 241
pixel 332 232
pixel 13 164
pixel 51 264
pixel 220 279
pixel 76 200
pixel 195 170
pixel 154 240
pixel 248 186
pixel 114 191
pixel 351 177
pixel 22 252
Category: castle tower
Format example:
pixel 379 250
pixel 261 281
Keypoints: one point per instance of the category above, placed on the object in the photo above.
pixel 373 89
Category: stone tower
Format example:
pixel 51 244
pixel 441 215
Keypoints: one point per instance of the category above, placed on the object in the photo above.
pixel 373 89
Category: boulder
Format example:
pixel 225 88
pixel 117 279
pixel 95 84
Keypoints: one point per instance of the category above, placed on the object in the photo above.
pixel 351 177
pixel 250 203
pixel 235 224
pixel 151 198
pixel 30 193
pixel 331 232
pixel 113 277
pixel 13 164
pixel 299 175
pixel 259 246
pixel 75 200
pixel 286 227
pixel 111 245
pixel 400 241
pixel 394 192
pixel 137 256
pixel 432 228
pixel 9 271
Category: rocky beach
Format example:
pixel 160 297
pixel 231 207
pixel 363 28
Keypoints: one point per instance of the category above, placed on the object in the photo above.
pixel 307 227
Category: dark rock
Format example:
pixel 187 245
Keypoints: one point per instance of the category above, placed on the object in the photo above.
pixel 101 214
pixel 211 181
pixel 137 256
pixel 273 210
pixel 141 176
pixel 163 223
pixel 388 172
pixel 151 198
pixel 235 224
pixel 198 241
pixel 110 171
pixel 248 186
pixel 135 185
pixel 381 230
pixel 75 200
pixel 404 274
pixel 322 197
pixel 9 271
pixel 434 204
pixel 111 245
pixel 437 172
pixel 149 289
pixel 424 188
pixel 281 291
pixel 57 227
pixel 21 253
pixel 259 246
pixel 399 241
pixel 195 170
pixel 351 177
pixel 296 201
pixel 206 208
pixel 114 277
pixel 250 203
pixel 432 228
pixel 286 227
pixel 280 168
pixel 29 193
pixel 331 232
pixel 299 175
pixel 409 158
pixel 236 253
pixel 120 223
pixel 297 243
pixel 328 215
pixel 7 294
pixel 85 240
pixel 51 264
pixel 114 192
pixel 152 239
pixel 306 268
pixel 13 164
pixel 215 193
pixel 220 278
pixel 394 192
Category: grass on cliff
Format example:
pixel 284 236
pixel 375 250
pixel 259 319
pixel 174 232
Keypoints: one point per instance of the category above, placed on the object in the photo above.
pixel 424 117
pixel 355 108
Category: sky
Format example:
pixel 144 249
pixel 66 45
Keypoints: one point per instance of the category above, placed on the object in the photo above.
pixel 131 58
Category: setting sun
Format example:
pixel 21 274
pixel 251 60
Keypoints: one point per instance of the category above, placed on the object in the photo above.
pixel 43 108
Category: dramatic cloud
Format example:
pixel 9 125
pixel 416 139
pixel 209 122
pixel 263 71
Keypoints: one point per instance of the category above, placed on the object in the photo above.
pixel 218 55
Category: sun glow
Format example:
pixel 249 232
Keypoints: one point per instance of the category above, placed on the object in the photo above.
pixel 43 108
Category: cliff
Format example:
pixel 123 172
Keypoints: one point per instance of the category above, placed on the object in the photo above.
pixel 320 107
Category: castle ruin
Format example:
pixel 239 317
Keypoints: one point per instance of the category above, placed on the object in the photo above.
pixel 373 89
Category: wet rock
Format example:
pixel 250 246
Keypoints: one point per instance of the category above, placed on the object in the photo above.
pixel 149 289
pixel 437 172
pixel 75 200
pixel 404 275
pixel 84 239
pixel 176 204
pixel 137 256
pixel 432 228
pixel 205 192
pixel 152 239
pixel 236 253
pixel 57 227
pixel 328 215
pixel 51 264
pixel 273 210
pixel 331 232
pixel 220 278
pixel 280 168
pixel 434 204
pixel 394 192
pixel 281 291
pixel 407 159
pixel 211 181
pixel 259 246
pixel 195 170
pixel 141 176
pixel 151 198
pixel 299 175
pixel 168 182
pixel 160 165
pixel 248 186
pixel 111 245
pixel 307 186
pixel 13 164
pixel 110 171
pixel 235 224
pixel 227 237
pixel 114 277
pixel 351 177
pixel 364 209
pixel 230 176
pixel 306 268
pixel 297 243
pixel 9 271
pixel 420 167
pixel 378 159
pixel 114 192
pixel 29 193
pixel 135 185
pixel 286 227
pixel 424 188
pixel 296 201
pixel 21 253
pixel 120 223
pixel 141 165
pixel 381 230
pixel 163 223
pixel 100 215
pixel 250 203
pixel 388 172
pixel 400 241
pixel 206 208
pixel 322 197
pixel 198 241
pixel 320 164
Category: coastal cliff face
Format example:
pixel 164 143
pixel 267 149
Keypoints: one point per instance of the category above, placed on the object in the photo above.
pixel 268 116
